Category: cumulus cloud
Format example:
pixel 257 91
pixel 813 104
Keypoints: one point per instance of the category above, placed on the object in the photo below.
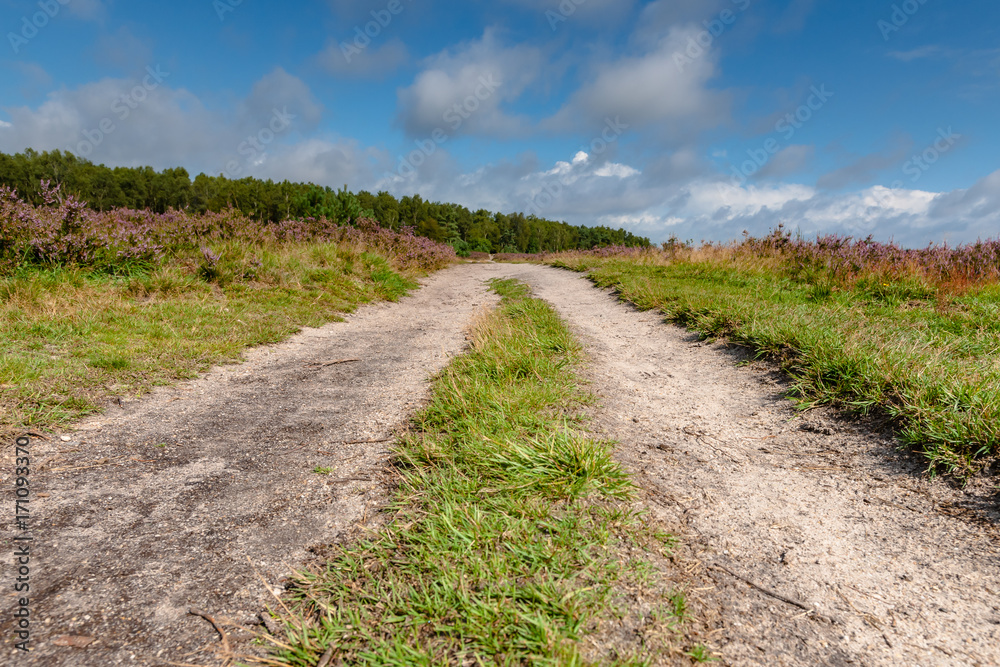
pixel 698 204
pixel 143 120
pixel 664 88
pixel 463 91
pixel 276 91
pixel 718 210
pixel 326 161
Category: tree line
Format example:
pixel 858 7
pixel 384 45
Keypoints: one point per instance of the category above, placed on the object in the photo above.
pixel 105 188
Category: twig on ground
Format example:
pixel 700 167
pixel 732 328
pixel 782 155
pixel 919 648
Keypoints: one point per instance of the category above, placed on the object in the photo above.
pixel 357 442
pixel 765 591
pixel 226 648
pixel 368 442
pixel 321 364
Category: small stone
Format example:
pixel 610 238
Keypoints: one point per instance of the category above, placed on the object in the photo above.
pixel 65 438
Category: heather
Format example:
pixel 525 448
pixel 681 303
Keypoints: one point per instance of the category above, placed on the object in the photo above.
pixel 66 232
pixel 99 306
pixel 908 336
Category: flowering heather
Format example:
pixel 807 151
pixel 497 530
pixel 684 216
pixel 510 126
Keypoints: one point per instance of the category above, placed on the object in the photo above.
pixel 67 232
pixel 841 260
pixel 847 260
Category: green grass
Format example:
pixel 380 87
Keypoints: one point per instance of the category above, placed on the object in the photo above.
pixel 511 536
pixel 926 359
pixel 70 338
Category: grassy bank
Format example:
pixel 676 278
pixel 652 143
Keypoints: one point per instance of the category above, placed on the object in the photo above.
pixel 70 339
pixel 511 537
pixel 914 335
pixel 101 305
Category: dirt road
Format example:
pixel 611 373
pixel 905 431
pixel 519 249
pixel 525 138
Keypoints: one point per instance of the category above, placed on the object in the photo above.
pixel 179 500
pixel 900 570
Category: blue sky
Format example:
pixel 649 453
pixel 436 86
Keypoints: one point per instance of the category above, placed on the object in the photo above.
pixel 700 118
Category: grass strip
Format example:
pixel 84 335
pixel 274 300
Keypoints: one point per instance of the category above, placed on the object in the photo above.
pixel 70 338
pixel 512 535
pixel 926 358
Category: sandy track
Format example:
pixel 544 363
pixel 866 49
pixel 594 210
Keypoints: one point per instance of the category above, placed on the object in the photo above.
pixel 125 547
pixel 820 511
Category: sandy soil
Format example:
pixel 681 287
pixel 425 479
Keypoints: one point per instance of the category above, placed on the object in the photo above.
pixel 180 499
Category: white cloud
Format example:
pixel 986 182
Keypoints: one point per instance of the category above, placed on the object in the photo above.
pixel 278 90
pixel 124 122
pixel 331 162
pixel 694 204
pixel 615 170
pixel 721 211
pixel 463 92
pixel 4 123
pixel 664 89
